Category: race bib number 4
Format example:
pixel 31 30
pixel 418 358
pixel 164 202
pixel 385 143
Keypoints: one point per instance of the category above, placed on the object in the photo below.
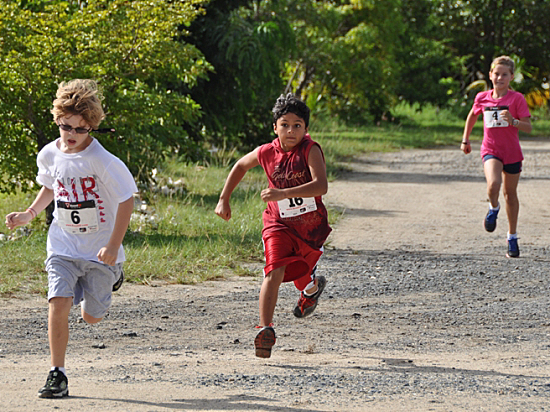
pixel 492 117
pixel 78 218
pixel 296 206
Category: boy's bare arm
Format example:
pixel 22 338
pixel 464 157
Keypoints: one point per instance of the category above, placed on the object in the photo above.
pixel 317 187
pixel 108 254
pixel 42 200
pixel 244 164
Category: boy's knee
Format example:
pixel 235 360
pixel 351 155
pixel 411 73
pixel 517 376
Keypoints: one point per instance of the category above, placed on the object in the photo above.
pixel 60 304
pixel 276 274
pixel 90 319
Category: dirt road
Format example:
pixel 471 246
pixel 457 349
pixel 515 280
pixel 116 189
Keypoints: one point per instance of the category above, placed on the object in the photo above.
pixel 422 312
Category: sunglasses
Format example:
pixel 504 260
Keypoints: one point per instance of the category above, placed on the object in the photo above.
pixel 77 130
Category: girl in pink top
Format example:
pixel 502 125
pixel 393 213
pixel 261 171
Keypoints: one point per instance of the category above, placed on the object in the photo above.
pixel 504 113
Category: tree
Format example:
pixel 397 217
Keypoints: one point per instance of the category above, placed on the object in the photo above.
pixel 482 30
pixel 338 56
pixel 429 73
pixel 344 60
pixel 129 47
pixel 247 47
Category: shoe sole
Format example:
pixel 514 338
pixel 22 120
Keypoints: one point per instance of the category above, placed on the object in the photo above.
pixel 119 282
pixel 508 255
pixel 298 313
pixel 51 395
pixel 490 228
pixel 264 341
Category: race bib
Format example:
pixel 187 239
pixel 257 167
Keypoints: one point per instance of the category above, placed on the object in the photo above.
pixel 77 218
pixel 492 117
pixel 296 206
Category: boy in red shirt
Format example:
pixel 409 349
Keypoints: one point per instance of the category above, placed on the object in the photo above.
pixel 295 219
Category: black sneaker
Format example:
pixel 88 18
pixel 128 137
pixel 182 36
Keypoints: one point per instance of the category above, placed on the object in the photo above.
pixel 490 221
pixel 513 248
pixel 307 304
pixel 265 339
pixel 57 385
pixel 118 283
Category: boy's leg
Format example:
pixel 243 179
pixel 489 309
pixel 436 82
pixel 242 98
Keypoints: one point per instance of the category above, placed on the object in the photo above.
pixel 97 286
pixel 62 278
pixel 58 329
pixel 89 318
pixel 265 339
pixel 314 288
pixel 311 286
pixel 269 294
pixel 58 333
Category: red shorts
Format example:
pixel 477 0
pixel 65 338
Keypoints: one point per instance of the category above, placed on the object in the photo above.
pixel 282 248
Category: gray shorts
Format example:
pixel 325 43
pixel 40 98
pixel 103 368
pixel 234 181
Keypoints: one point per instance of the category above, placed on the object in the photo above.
pixel 85 281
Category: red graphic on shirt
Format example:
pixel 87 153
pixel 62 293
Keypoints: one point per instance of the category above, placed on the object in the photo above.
pixel 79 189
pixel 61 191
pixel 88 186
pixel 68 190
pixel 294 178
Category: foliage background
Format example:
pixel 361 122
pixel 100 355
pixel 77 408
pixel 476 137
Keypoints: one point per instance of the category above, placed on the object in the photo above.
pixel 184 77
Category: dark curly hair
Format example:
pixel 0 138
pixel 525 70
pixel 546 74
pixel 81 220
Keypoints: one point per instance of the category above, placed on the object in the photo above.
pixel 290 104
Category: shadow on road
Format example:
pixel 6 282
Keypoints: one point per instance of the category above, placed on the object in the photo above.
pixel 229 403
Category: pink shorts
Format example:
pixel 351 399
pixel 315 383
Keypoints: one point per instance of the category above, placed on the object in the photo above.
pixel 282 248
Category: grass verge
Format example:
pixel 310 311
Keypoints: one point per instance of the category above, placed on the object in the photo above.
pixel 176 237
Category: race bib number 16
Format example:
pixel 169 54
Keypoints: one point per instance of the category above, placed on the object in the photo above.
pixel 492 117
pixel 296 206
pixel 78 218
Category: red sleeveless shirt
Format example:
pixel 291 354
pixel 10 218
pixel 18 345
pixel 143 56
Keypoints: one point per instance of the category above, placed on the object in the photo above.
pixel 290 169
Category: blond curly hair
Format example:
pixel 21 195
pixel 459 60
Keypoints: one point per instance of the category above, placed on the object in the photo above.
pixel 79 97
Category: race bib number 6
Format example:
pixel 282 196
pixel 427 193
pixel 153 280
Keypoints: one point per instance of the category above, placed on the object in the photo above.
pixel 492 117
pixel 78 218
pixel 296 206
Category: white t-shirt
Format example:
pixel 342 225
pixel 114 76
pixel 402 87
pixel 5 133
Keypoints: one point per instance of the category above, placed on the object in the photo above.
pixel 88 187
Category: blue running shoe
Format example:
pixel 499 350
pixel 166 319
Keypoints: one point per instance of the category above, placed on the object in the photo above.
pixel 513 248
pixel 491 220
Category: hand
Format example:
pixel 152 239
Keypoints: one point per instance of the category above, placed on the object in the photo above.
pixel 506 115
pixel 108 255
pixel 15 219
pixel 223 210
pixel 466 147
pixel 272 195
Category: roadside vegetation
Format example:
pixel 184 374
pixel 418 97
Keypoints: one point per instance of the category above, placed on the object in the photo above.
pixel 175 236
